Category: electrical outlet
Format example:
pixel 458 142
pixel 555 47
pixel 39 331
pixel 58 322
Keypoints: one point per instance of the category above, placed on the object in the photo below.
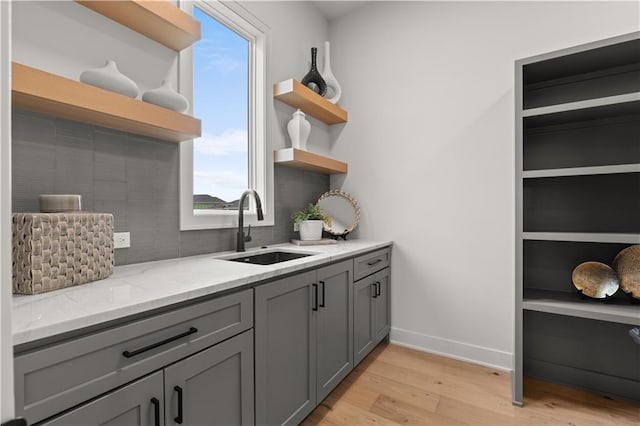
pixel 121 239
pixel 296 227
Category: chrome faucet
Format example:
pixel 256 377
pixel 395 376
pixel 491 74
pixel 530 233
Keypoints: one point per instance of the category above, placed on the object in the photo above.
pixel 241 237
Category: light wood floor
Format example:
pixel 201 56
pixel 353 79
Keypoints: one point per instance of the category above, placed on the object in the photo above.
pixel 396 385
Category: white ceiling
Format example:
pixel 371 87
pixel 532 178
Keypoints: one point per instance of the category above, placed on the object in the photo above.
pixel 333 9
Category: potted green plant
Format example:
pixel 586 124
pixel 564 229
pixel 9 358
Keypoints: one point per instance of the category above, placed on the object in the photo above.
pixel 310 220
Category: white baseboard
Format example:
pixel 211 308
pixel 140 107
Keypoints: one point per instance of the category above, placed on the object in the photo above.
pixel 487 357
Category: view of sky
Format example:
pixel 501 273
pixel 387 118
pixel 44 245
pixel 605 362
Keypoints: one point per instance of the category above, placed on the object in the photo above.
pixel 220 100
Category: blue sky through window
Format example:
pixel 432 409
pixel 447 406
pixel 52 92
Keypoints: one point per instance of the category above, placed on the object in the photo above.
pixel 220 100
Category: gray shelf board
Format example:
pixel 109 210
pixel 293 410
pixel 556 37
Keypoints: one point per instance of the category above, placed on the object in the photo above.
pixel 582 171
pixel 581 105
pixel 571 304
pixel 583 237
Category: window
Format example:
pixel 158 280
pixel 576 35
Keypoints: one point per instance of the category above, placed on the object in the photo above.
pixel 224 76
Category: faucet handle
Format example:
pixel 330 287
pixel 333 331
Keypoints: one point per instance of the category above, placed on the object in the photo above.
pixel 247 238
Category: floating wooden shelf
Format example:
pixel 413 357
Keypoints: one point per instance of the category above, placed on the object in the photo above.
pixel 300 159
pixel 50 94
pixel 159 20
pixel 295 94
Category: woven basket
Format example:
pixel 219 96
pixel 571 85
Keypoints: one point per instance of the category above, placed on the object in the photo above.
pixel 58 250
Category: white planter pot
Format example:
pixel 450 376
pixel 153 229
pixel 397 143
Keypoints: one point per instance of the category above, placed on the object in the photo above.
pixel 311 230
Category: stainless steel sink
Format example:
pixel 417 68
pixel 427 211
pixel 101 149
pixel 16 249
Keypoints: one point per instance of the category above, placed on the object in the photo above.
pixel 268 258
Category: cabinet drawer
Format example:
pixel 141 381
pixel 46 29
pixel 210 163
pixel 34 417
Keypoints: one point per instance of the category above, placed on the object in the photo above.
pixel 369 263
pixel 60 376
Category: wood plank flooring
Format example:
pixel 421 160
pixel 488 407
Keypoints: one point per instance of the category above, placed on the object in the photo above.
pixel 397 385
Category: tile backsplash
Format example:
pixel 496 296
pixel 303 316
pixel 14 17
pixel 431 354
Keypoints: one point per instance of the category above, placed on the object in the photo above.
pixel 136 178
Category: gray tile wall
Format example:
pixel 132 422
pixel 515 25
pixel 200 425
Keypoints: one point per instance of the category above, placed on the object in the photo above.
pixel 135 178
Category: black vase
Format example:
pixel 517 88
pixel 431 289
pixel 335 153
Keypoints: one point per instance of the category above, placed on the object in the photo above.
pixel 313 80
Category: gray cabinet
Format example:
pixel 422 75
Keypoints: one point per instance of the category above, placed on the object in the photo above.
pixel 303 344
pixel 371 312
pixel 52 379
pixel 137 404
pixel 285 349
pixel 335 326
pixel 381 305
pixel 213 387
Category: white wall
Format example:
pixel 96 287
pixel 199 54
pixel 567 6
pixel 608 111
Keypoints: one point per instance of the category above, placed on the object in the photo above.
pixel 429 87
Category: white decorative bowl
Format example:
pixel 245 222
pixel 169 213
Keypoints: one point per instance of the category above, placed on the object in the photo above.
pixel 165 97
pixel 109 78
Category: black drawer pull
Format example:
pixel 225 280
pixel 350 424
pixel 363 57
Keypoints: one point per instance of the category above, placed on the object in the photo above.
pixel 315 297
pixel 322 304
pixel 128 354
pixel 374 262
pixel 178 419
pixel 156 411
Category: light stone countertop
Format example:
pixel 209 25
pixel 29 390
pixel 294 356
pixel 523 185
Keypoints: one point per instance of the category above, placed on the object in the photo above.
pixel 134 289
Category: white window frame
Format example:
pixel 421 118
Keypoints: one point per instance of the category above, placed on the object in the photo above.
pixel 248 26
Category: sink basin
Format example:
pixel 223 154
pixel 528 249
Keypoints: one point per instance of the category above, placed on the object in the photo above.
pixel 268 258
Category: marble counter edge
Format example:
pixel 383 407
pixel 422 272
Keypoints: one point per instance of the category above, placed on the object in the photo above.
pixel 24 332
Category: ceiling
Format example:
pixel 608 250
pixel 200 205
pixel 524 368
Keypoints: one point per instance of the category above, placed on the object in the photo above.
pixel 333 9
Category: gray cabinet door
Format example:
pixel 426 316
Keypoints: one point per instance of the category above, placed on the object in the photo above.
pixel 137 404
pixel 363 302
pixel 216 385
pixel 285 349
pixel 382 308
pixel 335 326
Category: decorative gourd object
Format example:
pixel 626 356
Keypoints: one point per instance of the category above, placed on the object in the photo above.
pixel 166 97
pixel 299 129
pixel 333 87
pixel 313 80
pixel 627 266
pixel 110 78
pixel 595 279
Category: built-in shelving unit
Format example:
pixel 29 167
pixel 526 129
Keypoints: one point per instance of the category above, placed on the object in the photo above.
pixel 159 20
pixel 306 160
pixel 297 95
pixel 578 199
pixel 46 93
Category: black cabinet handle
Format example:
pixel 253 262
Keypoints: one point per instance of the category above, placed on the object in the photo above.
pixel 179 418
pixel 156 411
pixel 315 296
pixel 128 354
pixel 374 262
pixel 322 304
pixel 375 290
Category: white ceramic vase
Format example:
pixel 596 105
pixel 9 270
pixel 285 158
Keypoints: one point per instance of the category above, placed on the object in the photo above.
pixel 109 78
pixel 166 97
pixel 334 91
pixel 311 230
pixel 299 129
